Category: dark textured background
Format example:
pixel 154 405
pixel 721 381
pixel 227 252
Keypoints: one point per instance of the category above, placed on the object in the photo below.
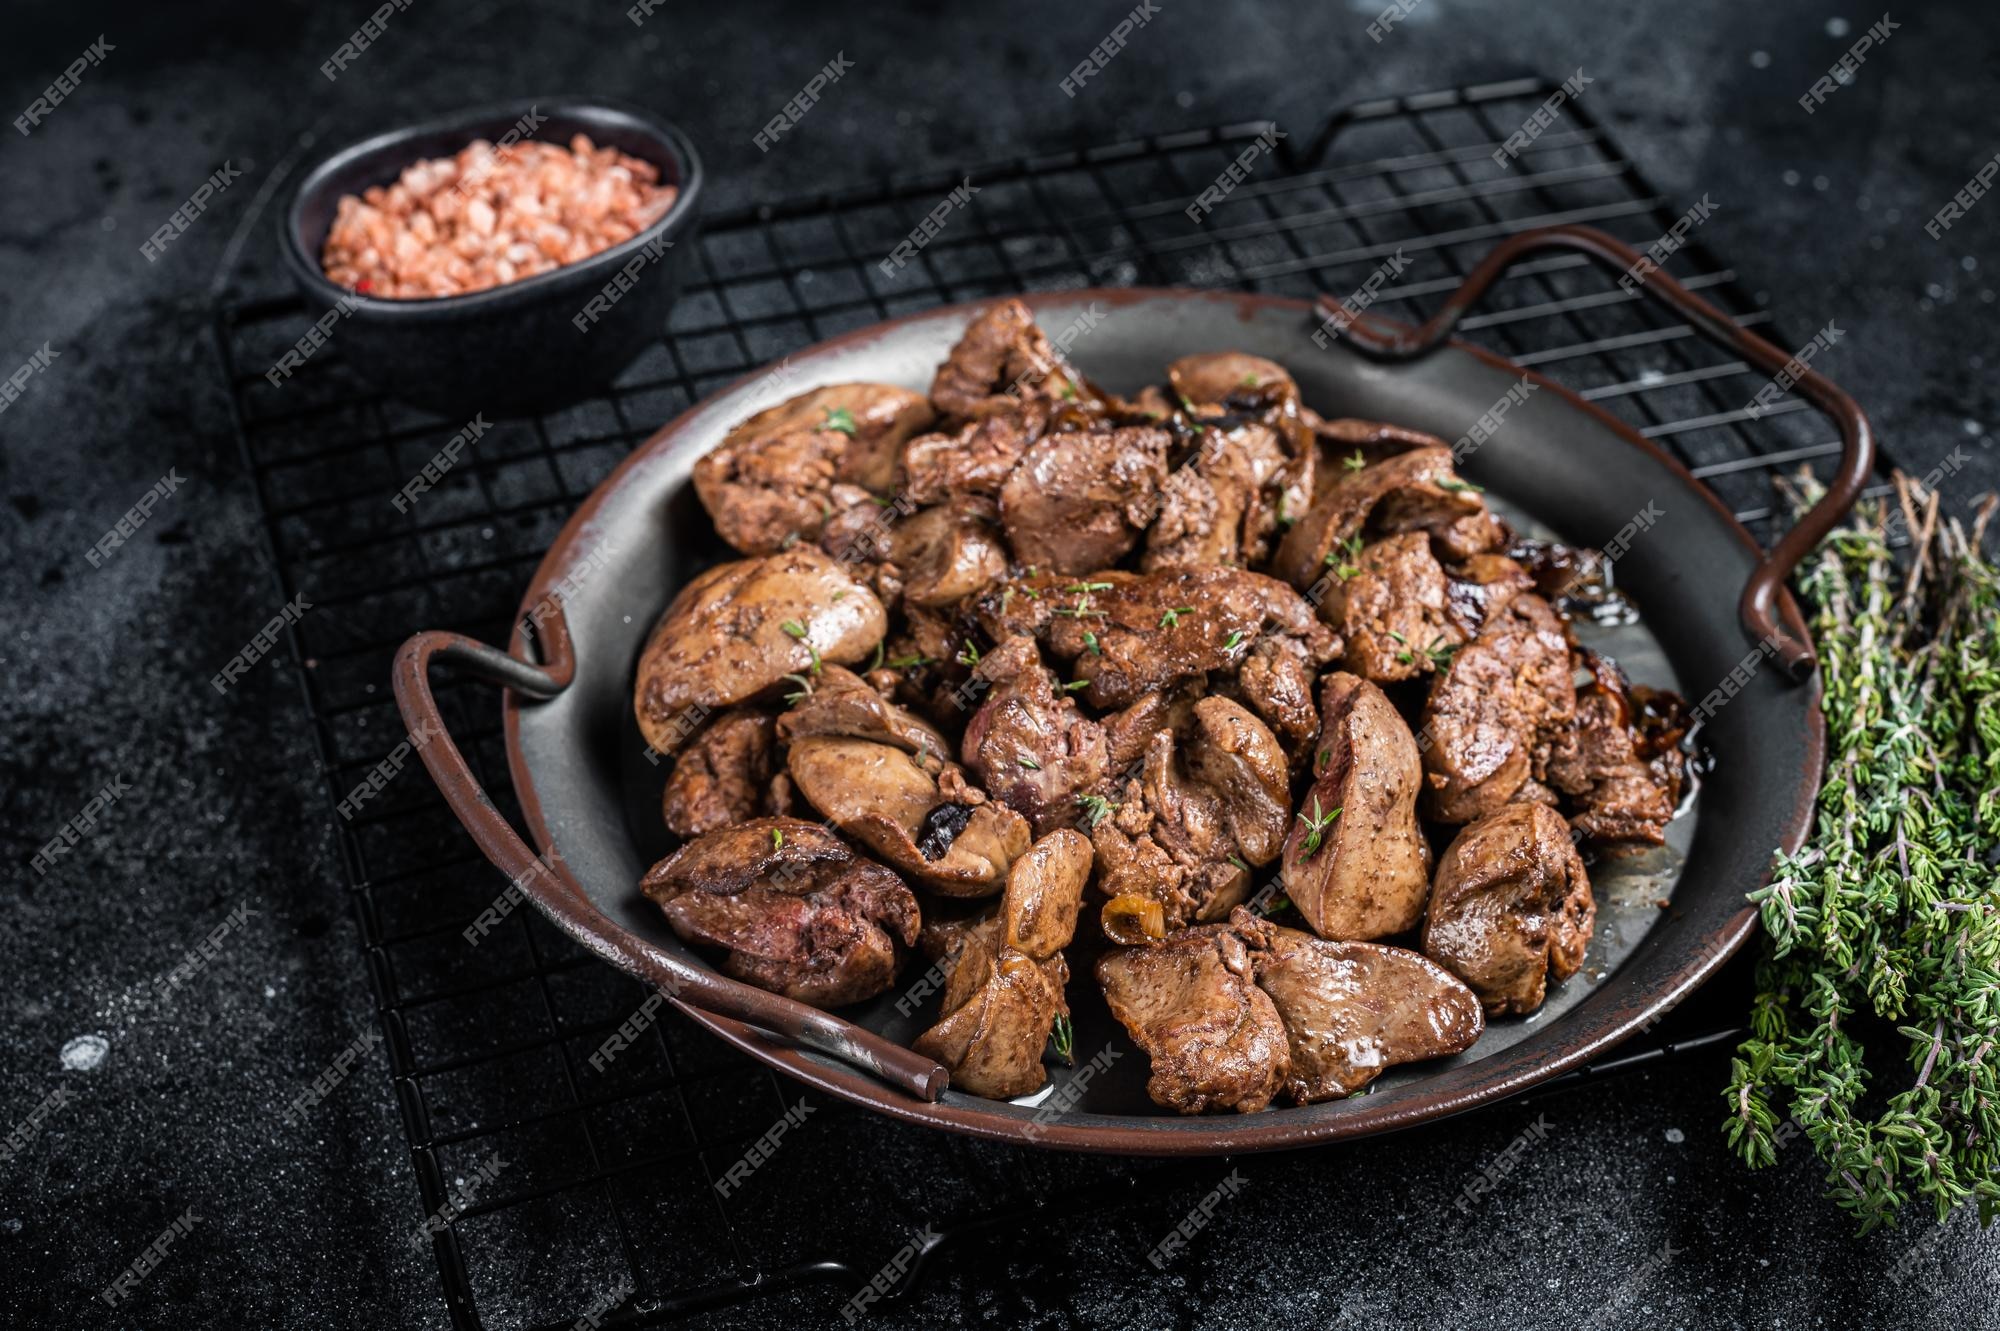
pixel 108 667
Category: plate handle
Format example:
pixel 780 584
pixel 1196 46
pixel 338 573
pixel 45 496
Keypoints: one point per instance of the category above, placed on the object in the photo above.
pixel 1381 341
pixel 549 883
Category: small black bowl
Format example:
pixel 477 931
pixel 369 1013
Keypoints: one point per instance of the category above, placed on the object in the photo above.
pixel 527 346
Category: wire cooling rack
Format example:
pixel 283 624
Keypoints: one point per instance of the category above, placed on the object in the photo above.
pixel 604 1201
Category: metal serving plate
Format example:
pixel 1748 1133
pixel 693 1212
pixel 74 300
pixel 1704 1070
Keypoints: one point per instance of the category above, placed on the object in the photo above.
pixel 1557 463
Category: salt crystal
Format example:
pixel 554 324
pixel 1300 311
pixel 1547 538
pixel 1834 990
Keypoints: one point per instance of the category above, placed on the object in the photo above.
pixel 85 1052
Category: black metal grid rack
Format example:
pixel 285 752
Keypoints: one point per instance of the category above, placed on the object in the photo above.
pixel 608 1175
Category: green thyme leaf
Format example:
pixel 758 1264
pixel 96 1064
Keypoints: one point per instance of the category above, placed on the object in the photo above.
pixel 1096 808
pixel 1062 1038
pixel 1316 825
pixel 794 628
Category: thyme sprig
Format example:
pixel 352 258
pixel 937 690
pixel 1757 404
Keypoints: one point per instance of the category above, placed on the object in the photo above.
pixel 1062 1038
pixel 1892 910
pixel 1316 824
pixel 1096 808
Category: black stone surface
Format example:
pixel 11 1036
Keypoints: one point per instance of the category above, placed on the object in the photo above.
pixel 108 667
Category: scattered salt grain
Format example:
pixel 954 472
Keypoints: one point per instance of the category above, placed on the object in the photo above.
pixel 85 1052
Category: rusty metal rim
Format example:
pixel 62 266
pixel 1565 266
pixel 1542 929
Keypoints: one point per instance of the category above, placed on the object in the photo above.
pixel 1166 1135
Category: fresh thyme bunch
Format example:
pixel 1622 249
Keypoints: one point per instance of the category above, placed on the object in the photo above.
pixel 1893 906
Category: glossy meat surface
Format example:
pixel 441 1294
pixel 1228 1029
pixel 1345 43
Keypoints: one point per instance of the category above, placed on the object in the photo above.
pixel 795 910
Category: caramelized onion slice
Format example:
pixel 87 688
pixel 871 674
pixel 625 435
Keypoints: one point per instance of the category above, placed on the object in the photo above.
pixel 1131 919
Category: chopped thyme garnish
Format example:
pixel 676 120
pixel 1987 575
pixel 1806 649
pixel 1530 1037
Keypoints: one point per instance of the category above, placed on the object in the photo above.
pixel 1455 486
pixel 841 419
pixel 1187 410
pixel 968 655
pixel 1340 558
pixel 1316 825
pixel 1028 762
pixel 1235 641
pixel 793 628
pixel 1173 617
pixel 1062 1038
pixel 1075 685
pixel 1096 809
pixel 1090 643
pixel 777 838
pixel 876 664
pixel 911 662
pixel 1354 462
